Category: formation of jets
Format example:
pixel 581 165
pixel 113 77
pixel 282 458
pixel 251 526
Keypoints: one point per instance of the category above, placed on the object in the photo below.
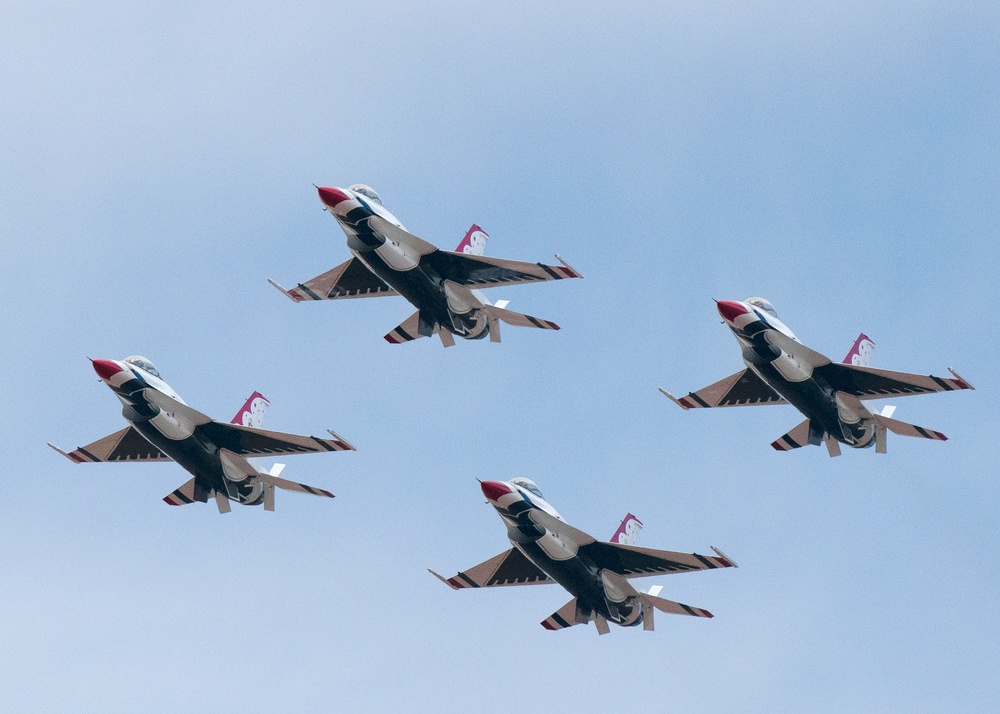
pixel 445 288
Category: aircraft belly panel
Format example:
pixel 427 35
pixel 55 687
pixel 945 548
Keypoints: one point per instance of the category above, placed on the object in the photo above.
pixel 573 574
pixel 171 427
pixel 791 369
pixel 414 285
pixel 818 404
pixel 806 396
pixel 425 294
pixel 190 453
pixel 557 548
pixel 398 256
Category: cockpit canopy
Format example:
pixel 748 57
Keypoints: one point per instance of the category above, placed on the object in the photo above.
pixel 144 364
pixel 763 304
pixel 527 485
pixel 367 192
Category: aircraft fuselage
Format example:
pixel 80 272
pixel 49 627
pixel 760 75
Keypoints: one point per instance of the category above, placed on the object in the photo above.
pixel 409 272
pixel 176 436
pixel 560 558
pixel 795 380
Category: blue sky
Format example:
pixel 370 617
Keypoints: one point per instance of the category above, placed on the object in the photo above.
pixel 158 164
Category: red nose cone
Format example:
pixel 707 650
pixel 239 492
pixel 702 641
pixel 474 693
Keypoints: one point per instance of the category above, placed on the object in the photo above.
pixel 730 310
pixel 106 369
pixel 332 196
pixel 494 490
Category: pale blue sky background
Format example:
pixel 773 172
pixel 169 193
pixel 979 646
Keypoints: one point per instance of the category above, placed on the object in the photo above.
pixel 157 162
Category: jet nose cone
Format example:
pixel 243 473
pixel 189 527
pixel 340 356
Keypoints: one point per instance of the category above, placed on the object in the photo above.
pixel 106 369
pixel 730 309
pixel 495 490
pixel 331 196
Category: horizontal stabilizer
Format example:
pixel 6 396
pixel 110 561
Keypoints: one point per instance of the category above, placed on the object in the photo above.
pixel 518 319
pixel 412 328
pixel 674 608
pixel 564 617
pixel 802 435
pixel 287 485
pixel 190 492
pixel 904 429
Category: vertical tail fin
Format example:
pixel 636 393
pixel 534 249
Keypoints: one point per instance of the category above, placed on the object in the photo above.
pixel 862 351
pixel 252 412
pixel 628 531
pixel 474 242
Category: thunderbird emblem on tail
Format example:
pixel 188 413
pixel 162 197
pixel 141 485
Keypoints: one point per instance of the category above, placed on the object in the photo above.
pixel 444 286
pixel 547 549
pixel 831 395
pixel 162 427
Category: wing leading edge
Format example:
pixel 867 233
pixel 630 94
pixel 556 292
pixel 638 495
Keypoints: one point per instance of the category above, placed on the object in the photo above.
pixel 247 441
pixel 743 389
pixel 871 383
pixel 634 562
pixel 348 280
pixel 509 568
pixel 482 272
pixel 125 445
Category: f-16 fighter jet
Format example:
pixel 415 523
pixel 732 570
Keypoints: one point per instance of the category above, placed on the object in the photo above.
pixel 162 427
pixel 442 285
pixel 547 549
pixel 781 370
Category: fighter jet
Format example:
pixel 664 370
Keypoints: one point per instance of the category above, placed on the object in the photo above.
pixel 781 370
pixel 162 427
pixel 547 549
pixel 444 286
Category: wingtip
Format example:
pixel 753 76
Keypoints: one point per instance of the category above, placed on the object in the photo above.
pixel 731 563
pixel 674 399
pixel 64 453
pixel 284 292
pixel 442 579
pixel 966 384
pixel 576 273
pixel 338 437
